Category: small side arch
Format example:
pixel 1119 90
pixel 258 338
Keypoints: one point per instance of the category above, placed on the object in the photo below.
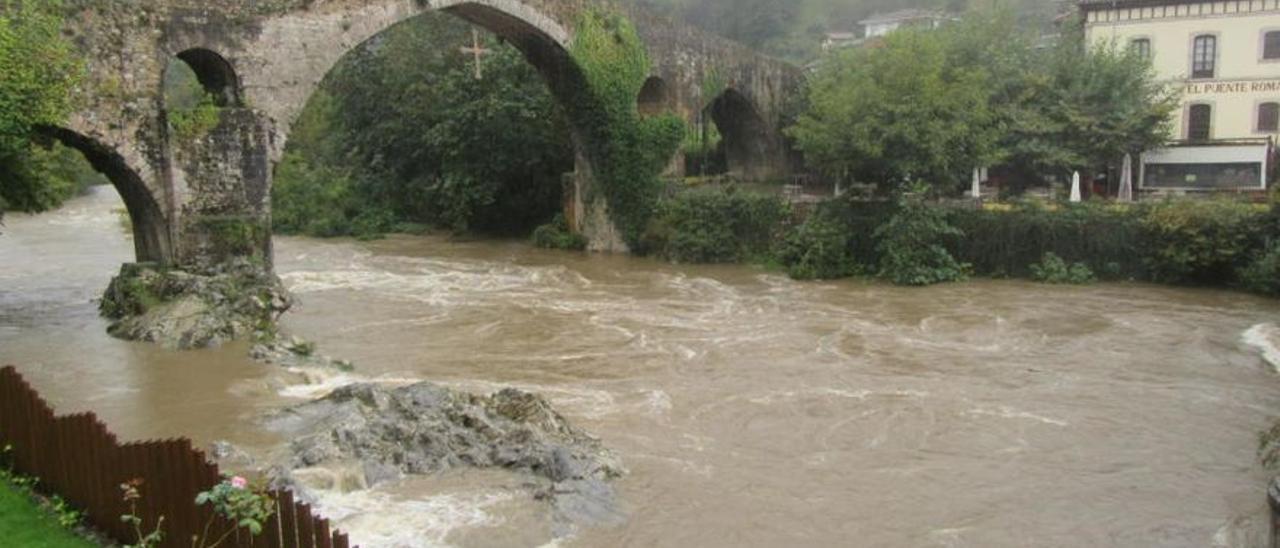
pixel 216 75
pixel 654 98
pixel 750 148
pixel 151 239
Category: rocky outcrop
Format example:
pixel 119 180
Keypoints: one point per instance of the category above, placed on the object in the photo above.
pixel 185 310
pixel 425 428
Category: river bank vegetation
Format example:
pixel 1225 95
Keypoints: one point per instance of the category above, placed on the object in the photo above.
pixel 39 73
pixel 916 241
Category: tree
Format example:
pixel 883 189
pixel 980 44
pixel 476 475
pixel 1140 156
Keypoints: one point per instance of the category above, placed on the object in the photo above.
pixel 1106 101
pixel 871 119
pixel 1066 107
pixel 402 130
pixel 980 92
pixel 37 73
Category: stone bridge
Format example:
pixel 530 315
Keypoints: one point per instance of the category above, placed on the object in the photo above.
pixel 195 201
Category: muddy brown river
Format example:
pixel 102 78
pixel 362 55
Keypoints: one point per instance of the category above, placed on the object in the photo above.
pixel 752 410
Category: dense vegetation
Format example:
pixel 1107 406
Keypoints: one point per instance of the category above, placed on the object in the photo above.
pixel 39 74
pixel 627 150
pixel 716 225
pixel 912 244
pixel 401 134
pixel 979 94
pixel 1218 242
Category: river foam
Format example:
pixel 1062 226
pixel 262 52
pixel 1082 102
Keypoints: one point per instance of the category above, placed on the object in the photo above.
pixel 316 383
pixel 377 519
pixel 1266 338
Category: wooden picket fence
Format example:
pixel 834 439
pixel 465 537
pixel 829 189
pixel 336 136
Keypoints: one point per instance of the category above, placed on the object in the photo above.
pixel 77 458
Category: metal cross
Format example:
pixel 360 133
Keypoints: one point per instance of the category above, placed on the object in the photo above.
pixel 476 50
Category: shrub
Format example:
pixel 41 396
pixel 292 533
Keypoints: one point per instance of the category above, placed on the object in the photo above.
pixel 556 235
pixel 716 226
pixel 311 199
pixel 239 503
pixel 1199 241
pixel 819 249
pixel 911 244
pixel 1005 241
pixel 1052 269
pixel 372 223
pixel 193 123
pixel 1262 275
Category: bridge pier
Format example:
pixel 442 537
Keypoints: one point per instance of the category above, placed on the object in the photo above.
pixel 222 175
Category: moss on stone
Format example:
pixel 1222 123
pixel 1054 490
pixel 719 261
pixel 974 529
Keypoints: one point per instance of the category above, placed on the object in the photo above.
pixel 194 123
pixel 628 151
pixel 234 235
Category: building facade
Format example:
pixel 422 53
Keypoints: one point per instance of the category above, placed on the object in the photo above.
pixel 1224 57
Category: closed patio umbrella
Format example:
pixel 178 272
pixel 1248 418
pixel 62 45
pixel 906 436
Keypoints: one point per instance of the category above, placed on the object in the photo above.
pixel 1126 180
pixel 1075 187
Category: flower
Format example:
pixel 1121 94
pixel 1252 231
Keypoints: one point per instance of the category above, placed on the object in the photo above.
pixel 130 489
pixel 239 482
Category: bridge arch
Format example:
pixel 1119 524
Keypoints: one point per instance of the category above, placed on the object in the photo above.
pixel 748 142
pixel 541 40
pixel 216 75
pixel 655 97
pixel 151 235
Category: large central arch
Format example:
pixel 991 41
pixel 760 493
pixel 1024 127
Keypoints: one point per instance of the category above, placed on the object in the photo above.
pixel 750 148
pixel 544 43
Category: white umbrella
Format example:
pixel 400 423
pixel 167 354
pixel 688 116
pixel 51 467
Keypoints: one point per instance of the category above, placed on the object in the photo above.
pixel 1075 187
pixel 977 185
pixel 1126 180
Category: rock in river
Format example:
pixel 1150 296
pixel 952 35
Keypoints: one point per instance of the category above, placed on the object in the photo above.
pixel 426 428
pixel 185 309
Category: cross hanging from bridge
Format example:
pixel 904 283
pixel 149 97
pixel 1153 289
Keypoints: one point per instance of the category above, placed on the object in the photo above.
pixel 476 49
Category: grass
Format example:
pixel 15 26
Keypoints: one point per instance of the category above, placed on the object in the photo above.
pixel 23 523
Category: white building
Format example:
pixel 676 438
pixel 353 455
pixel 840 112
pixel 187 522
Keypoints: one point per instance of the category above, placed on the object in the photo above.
pixel 1225 58
pixel 882 24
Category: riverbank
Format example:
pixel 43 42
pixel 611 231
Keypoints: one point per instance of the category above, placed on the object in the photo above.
pixel 1191 242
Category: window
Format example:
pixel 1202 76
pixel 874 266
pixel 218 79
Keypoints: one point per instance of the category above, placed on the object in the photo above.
pixel 1142 47
pixel 1205 176
pixel 1269 117
pixel 1198 122
pixel 1204 51
pixel 1271 45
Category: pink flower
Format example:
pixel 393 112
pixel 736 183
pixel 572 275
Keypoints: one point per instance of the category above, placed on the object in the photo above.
pixel 239 482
